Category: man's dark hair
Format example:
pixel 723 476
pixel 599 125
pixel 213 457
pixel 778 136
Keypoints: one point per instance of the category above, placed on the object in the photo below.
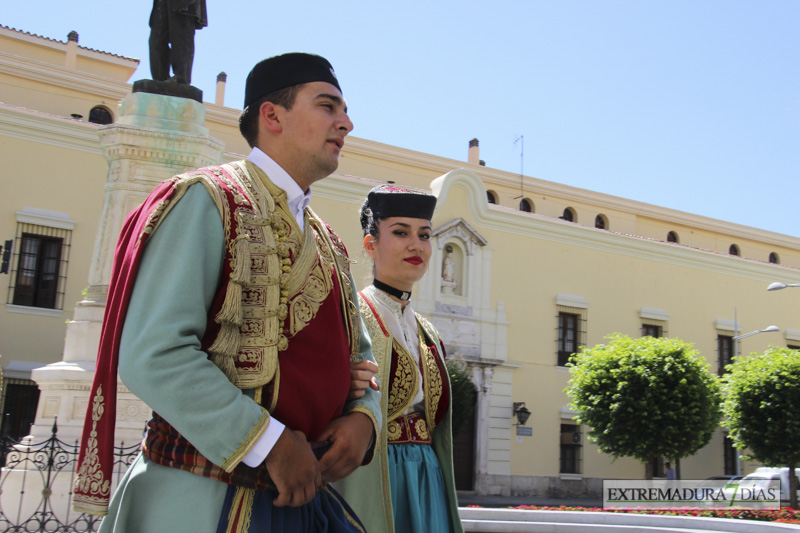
pixel 248 120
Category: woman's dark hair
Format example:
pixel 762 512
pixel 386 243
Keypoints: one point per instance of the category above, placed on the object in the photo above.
pixel 368 223
pixel 248 120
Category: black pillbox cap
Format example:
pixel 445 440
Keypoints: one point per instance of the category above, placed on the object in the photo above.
pixel 396 201
pixel 287 70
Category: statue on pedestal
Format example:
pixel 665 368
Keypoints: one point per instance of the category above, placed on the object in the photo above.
pixel 172 27
pixel 449 283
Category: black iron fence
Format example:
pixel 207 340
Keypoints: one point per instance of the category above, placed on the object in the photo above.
pixel 36 483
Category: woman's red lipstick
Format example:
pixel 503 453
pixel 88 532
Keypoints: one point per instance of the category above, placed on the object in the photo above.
pixel 414 260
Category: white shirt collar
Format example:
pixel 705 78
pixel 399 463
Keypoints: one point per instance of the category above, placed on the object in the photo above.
pixel 402 322
pixel 295 196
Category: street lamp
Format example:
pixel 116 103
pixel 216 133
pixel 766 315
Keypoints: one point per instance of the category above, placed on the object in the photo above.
pixel 776 286
pixel 756 332
pixel 521 412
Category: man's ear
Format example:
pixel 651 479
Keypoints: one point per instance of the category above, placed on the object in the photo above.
pixel 369 245
pixel 269 114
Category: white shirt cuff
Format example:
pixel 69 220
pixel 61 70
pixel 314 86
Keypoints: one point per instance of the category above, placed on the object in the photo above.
pixel 264 444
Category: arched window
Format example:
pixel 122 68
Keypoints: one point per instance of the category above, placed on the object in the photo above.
pixel 491 197
pixel 601 222
pixel 569 215
pixel 526 205
pixel 773 258
pixel 734 250
pixel 672 237
pixel 100 115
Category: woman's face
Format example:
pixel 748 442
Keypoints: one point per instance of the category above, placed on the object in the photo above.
pixel 401 251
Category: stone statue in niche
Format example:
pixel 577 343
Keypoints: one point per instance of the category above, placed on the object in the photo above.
pixel 449 283
pixel 172 27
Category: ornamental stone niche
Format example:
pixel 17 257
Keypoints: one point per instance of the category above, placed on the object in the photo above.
pixel 456 285
pixel 457 243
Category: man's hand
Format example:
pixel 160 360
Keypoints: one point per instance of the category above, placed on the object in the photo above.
pixel 349 436
pixel 294 469
pixel 362 375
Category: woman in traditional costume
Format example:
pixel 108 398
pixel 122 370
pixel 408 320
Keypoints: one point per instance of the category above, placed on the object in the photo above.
pixel 409 487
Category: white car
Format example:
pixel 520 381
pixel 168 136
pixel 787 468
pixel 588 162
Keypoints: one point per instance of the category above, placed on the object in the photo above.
pixel 764 474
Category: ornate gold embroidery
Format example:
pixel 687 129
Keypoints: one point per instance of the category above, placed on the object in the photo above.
pixel 333 248
pixel 89 480
pixel 153 219
pixel 267 285
pixel 404 382
pixel 422 429
pixel 382 351
pixel 393 430
pixel 433 378
pixel 250 318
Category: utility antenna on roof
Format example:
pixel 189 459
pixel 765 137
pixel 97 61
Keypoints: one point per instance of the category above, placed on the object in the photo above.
pixel 521 141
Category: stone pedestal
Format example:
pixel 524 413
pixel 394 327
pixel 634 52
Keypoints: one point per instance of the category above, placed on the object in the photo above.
pixel 156 137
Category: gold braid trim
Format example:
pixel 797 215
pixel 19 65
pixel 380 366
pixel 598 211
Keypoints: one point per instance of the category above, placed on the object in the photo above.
pixel 225 347
pixel 404 383
pixel 241 510
pixel 250 319
pixel 382 351
pixel 433 378
pixel 258 430
pixel 265 287
pixel 341 264
pixel 89 478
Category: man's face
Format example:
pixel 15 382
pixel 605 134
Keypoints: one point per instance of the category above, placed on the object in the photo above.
pixel 313 132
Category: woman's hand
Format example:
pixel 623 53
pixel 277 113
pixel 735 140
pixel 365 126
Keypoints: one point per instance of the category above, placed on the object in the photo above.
pixel 362 375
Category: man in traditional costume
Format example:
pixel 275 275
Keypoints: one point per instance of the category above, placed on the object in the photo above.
pixel 410 486
pixel 232 314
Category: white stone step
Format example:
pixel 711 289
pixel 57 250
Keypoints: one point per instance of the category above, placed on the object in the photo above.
pixel 514 520
pixel 489 526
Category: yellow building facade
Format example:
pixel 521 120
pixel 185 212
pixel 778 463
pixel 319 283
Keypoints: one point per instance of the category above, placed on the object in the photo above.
pixel 514 285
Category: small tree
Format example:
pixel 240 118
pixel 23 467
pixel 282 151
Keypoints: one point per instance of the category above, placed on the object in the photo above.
pixel 645 398
pixel 462 390
pixel 761 404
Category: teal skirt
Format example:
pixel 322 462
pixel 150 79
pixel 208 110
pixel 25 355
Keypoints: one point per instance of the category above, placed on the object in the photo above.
pixel 419 500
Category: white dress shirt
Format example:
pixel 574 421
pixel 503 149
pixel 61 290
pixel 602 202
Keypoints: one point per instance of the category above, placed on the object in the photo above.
pixel 295 196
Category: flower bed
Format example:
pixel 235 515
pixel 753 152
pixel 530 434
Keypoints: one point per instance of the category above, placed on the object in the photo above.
pixel 786 515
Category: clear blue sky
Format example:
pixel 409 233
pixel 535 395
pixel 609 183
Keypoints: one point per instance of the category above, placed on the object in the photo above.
pixel 688 104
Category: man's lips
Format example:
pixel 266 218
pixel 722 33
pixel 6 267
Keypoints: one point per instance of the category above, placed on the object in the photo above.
pixel 414 260
pixel 338 142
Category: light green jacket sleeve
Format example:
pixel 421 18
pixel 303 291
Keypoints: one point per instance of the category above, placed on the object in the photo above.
pixel 161 360
pixel 370 403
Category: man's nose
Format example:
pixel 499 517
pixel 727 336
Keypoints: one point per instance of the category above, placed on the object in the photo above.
pixel 345 124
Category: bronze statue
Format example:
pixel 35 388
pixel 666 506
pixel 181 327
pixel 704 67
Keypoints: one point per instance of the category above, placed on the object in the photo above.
pixel 172 27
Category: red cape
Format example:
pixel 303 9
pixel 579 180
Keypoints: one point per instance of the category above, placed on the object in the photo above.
pixel 92 488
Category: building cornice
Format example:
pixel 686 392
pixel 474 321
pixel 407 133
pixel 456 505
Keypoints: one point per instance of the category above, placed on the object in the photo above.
pixel 76 80
pixel 567 193
pixel 352 190
pixel 227 116
pixel 55 44
pixel 531 225
pixel 21 123
pixel 557 230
